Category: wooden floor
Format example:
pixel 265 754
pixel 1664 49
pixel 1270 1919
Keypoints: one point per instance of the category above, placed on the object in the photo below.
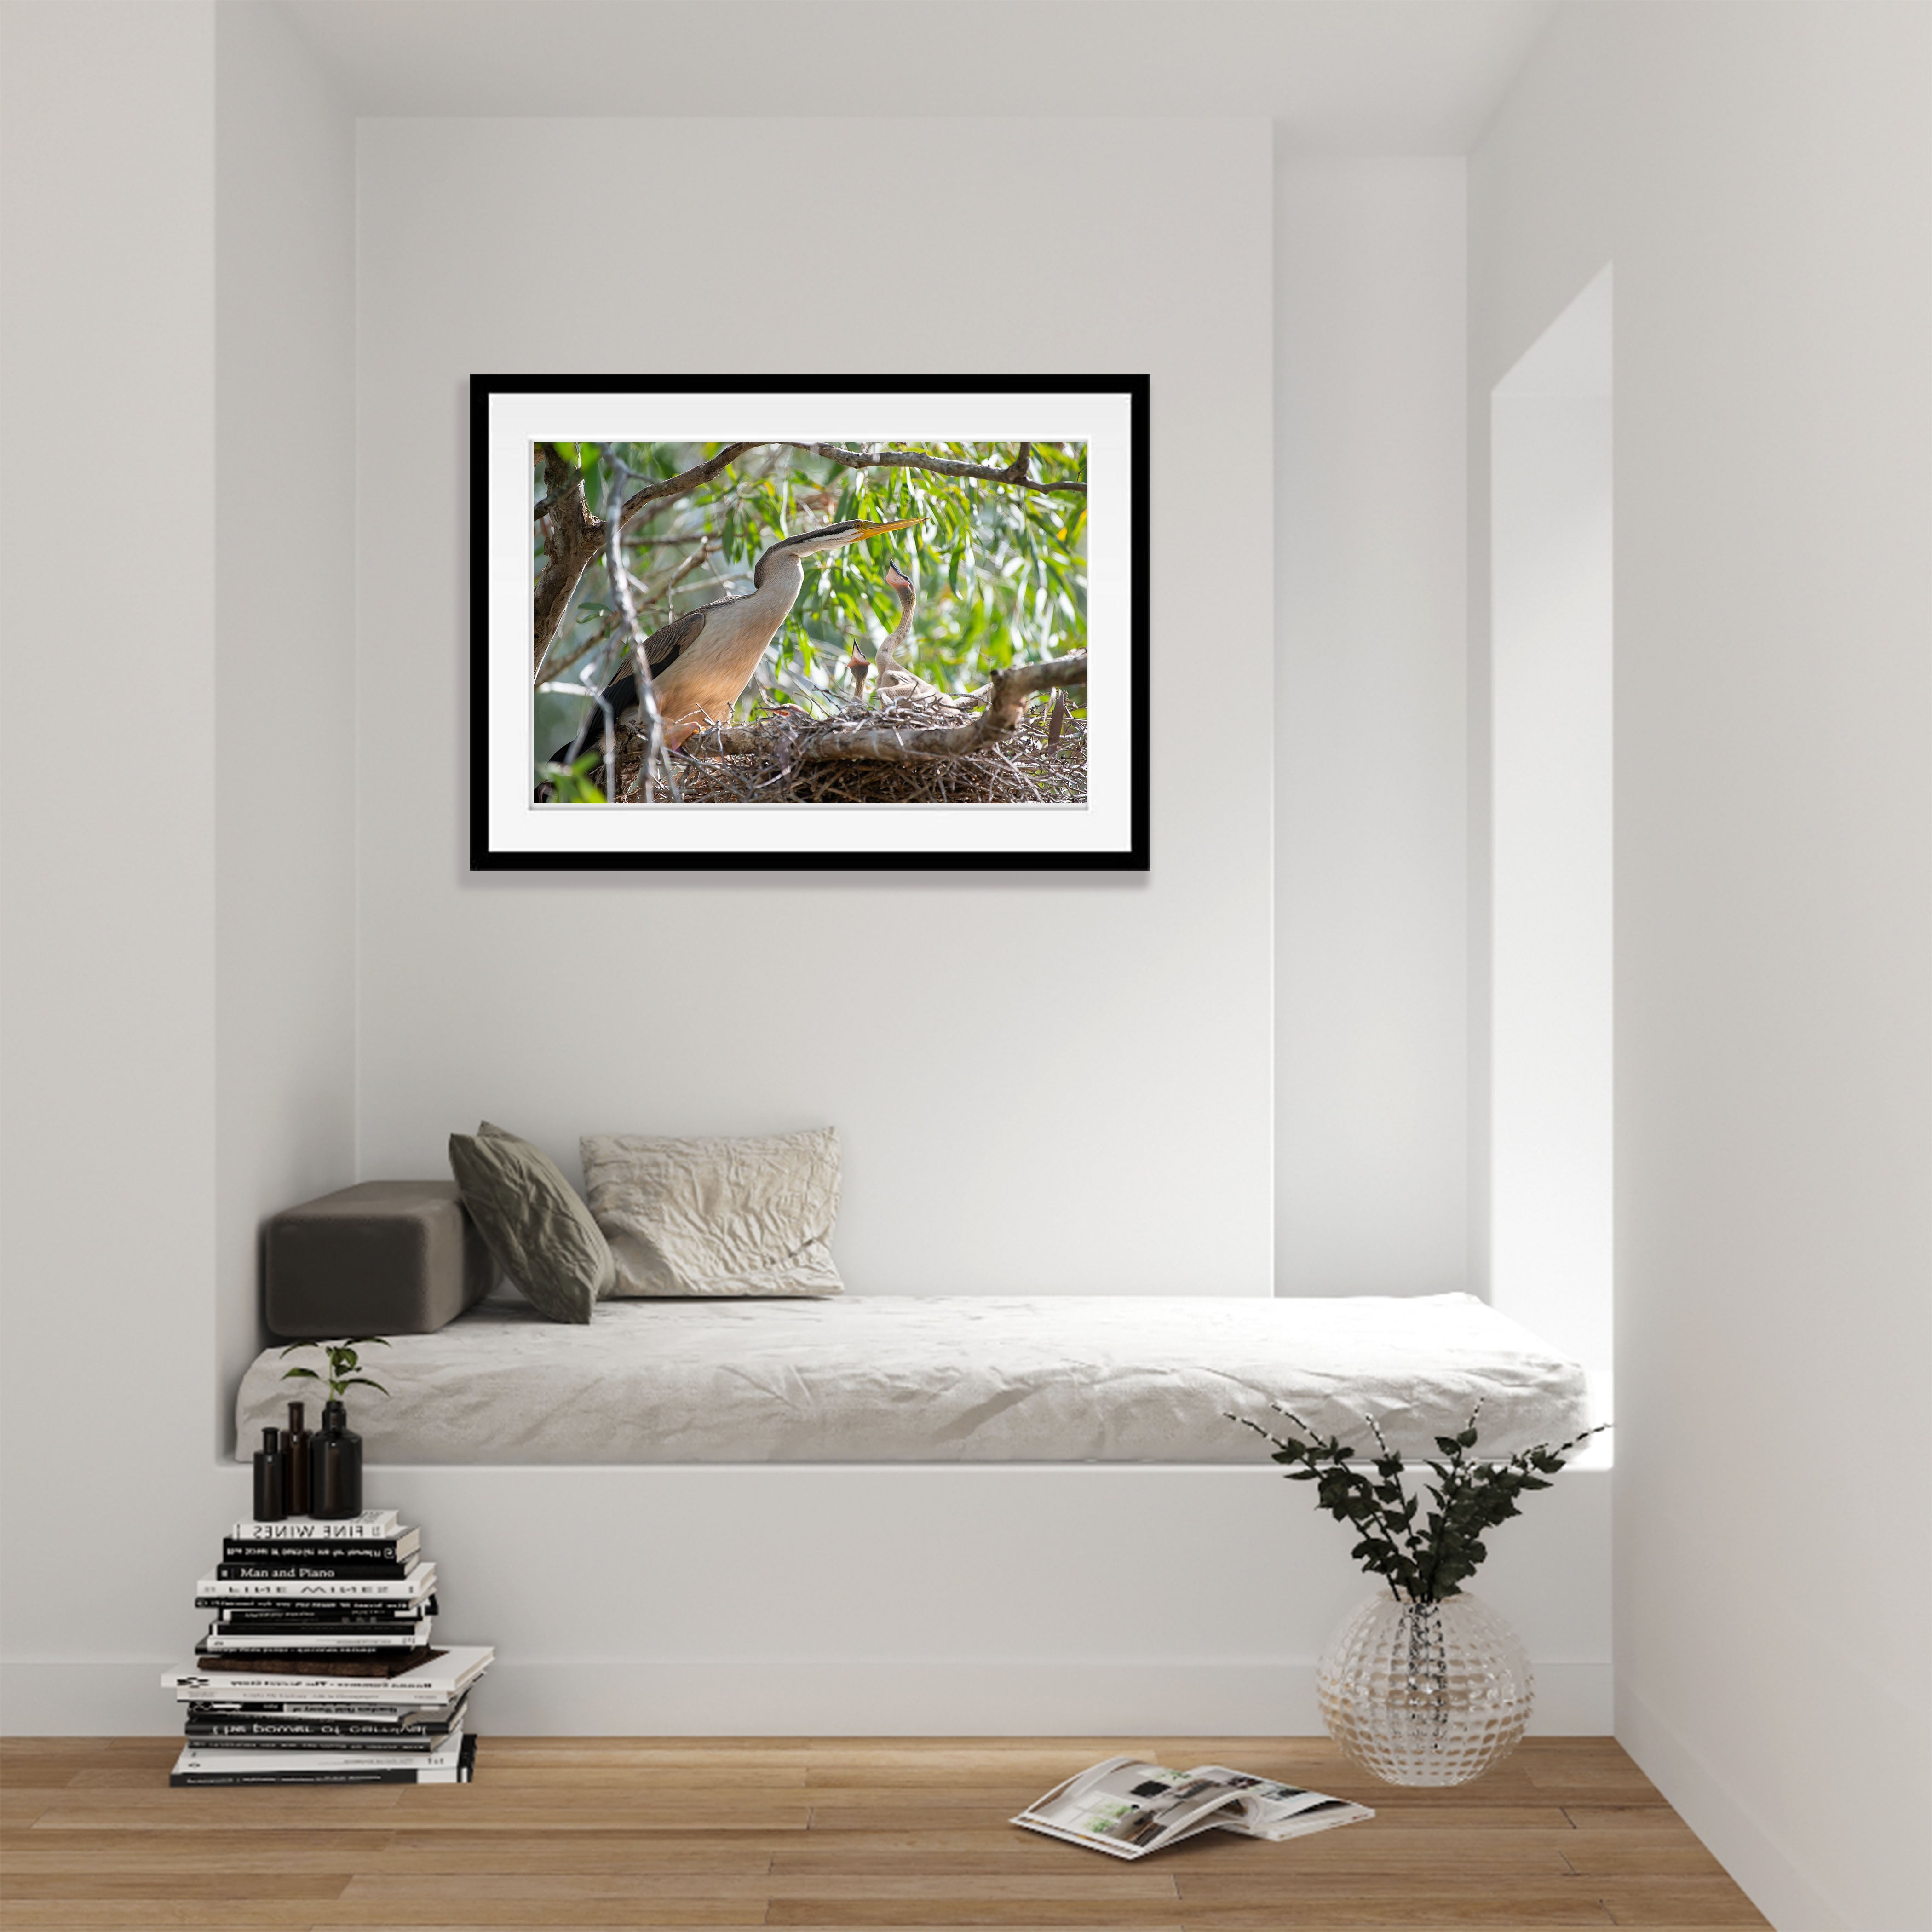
pixel 614 1832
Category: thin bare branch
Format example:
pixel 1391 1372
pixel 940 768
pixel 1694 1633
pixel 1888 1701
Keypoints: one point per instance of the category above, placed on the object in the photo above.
pixel 685 481
pixel 1016 473
pixel 652 733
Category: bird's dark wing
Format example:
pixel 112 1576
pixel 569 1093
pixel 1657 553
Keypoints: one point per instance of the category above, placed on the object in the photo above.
pixel 662 648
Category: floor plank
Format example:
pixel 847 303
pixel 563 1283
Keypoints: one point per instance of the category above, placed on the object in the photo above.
pixel 888 1835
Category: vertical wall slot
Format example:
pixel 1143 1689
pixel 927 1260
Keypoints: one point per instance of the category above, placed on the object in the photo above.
pixel 1550 1066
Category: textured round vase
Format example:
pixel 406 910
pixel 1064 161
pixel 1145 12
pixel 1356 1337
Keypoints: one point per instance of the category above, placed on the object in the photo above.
pixel 1425 1694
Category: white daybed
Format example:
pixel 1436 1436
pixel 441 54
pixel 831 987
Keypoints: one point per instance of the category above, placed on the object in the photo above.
pixel 890 1378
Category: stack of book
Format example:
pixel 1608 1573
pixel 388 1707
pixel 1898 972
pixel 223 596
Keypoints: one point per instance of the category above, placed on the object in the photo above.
pixel 317 1668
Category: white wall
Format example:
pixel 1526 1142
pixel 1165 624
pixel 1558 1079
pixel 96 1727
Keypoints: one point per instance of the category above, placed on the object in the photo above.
pixel 285 653
pixel 177 385
pixel 966 1600
pixel 1762 179
pixel 1125 1147
pixel 179 182
pixel 107 387
pixel 1371 1172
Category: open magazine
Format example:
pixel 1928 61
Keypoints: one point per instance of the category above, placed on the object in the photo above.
pixel 1129 1808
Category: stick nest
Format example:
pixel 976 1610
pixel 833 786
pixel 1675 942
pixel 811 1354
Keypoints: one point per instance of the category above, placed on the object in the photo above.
pixel 1019 768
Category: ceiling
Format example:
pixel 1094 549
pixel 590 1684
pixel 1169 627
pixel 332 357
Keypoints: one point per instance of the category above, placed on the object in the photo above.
pixel 1338 77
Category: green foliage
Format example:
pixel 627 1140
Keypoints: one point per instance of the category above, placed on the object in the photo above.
pixel 578 782
pixel 1430 1562
pixel 1001 571
pixel 343 1363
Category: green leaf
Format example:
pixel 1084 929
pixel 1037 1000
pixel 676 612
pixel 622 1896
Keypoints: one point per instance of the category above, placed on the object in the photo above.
pixel 306 1375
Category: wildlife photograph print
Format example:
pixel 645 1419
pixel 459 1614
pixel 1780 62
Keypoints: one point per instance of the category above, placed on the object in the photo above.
pixel 797 622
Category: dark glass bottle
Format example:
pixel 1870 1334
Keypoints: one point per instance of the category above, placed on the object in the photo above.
pixel 295 1439
pixel 270 1504
pixel 335 1465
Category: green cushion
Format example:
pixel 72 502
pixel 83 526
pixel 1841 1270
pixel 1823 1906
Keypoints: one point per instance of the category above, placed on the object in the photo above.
pixel 537 1228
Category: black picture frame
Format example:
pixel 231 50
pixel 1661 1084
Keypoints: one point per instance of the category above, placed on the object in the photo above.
pixel 510 831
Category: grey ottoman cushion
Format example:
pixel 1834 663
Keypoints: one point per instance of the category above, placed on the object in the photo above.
pixel 383 1257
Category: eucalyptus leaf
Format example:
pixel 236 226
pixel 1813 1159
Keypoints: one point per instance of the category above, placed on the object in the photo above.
pixel 1468 1497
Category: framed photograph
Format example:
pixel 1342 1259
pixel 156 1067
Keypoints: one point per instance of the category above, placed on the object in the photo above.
pixel 860 622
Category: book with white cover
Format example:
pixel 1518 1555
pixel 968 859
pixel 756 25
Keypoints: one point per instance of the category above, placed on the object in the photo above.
pixel 384 1716
pixel 419 1582
pixel 224 1640
pixel 198 1756
pixel 260 1728
pixel 449 1764
pixel 439 1681
pixel 371 1526
pixel 1127 1808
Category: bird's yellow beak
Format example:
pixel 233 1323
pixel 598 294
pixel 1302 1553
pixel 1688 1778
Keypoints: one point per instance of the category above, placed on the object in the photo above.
pixel 867 530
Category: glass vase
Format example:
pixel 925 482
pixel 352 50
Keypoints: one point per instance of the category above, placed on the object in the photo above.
pixel 1425 1694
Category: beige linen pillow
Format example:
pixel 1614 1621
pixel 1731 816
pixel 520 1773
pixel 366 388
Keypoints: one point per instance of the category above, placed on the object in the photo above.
pixel 542 1235
pixel 717 1217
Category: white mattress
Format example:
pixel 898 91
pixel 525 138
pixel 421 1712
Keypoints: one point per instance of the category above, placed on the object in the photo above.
pixel 893 1378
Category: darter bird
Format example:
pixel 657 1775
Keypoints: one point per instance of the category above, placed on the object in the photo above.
pixel 700 662
pixel 894 680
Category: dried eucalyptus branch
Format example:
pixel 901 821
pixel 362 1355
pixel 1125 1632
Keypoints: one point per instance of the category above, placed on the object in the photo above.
pixel 1470 1496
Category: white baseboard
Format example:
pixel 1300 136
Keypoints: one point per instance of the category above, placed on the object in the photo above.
pixel 88 1697
pixel 791 1697
pixel 1734 1837
pixel 957 1697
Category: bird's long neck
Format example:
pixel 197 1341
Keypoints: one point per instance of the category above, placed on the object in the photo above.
pixel 888 652
pixel 780 577
pixel 898 637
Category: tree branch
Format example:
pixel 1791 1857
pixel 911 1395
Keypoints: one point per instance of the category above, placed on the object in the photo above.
pixel 1016 472
pixel 684 482
pixel 576 536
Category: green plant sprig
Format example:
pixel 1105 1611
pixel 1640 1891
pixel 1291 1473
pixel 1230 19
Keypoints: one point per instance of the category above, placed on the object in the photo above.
pixel 343 1362
pixel 1470 1496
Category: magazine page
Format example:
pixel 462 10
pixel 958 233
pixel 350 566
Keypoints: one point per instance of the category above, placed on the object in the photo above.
pixel 1277 1811
pixel 1128 1807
